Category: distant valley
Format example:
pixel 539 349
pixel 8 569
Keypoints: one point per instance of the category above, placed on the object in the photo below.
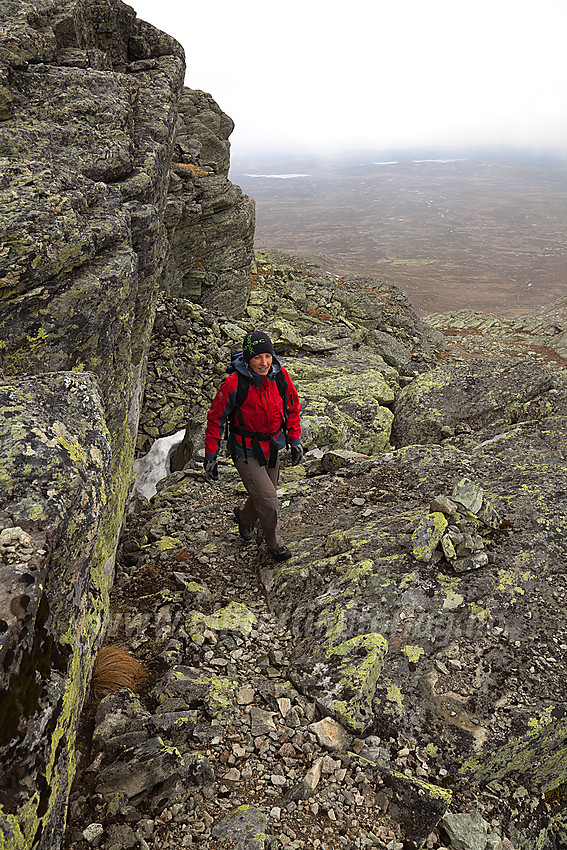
pixel 454 233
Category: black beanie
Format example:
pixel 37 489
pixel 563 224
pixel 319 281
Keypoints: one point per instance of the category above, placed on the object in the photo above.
pixel 257 342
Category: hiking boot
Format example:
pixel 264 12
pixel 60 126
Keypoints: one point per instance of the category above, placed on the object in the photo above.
pixel 281 554
pixel 245 531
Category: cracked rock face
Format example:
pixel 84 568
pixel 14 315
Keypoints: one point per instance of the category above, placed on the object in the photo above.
pixel 88 101
pixel 92 113
pixel 56 476
pixel 210 222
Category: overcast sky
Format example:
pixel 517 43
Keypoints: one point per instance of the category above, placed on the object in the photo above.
pixel 312 76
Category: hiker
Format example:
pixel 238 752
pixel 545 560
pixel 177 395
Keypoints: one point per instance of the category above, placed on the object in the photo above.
pixel 260 405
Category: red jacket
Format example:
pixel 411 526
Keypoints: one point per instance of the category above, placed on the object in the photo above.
pixel 262 410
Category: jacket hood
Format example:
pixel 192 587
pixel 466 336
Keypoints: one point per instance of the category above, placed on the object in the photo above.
pixel 240 365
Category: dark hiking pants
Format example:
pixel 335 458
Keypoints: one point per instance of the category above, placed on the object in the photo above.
pixel 262 502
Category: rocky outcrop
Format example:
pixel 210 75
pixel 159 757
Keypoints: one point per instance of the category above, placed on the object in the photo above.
pixel 347 399
pixel 92 115
pixel 210 223
pixel 56 482
pixel 88 105
pixel 469 396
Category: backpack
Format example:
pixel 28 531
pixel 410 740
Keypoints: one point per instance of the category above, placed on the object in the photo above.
pixel 232 428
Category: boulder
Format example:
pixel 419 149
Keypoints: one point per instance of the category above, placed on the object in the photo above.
pixel 424 609
pixel 342 678
pixel 54 581
pixel 246 828
pixel 475 395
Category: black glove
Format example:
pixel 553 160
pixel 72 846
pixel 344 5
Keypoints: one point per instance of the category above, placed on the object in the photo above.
pixel 211 467
pixel 296 454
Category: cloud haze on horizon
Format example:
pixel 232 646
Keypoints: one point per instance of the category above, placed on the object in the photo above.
pixel 381 76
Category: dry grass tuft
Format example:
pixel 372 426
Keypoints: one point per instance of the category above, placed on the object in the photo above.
pixel 114 669
pixel 195 170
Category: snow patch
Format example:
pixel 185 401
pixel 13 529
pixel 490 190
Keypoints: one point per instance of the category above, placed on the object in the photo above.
pixel 155 465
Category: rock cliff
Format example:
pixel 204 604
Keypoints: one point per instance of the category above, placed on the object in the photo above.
pixel 92 113
pixel 400 682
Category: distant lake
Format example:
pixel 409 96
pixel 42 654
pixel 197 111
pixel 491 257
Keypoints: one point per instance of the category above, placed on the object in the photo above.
pixel 488 234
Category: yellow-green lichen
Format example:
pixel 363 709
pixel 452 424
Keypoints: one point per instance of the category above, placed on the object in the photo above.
pixel 335 621
pixel 69 442
pixel 427 535
pixel 542 720
pixel 234 617
pixel 38 340
pixel 511 582
pixel 539 759
pixel 11 836
pixel 423 787
pixel 221 695
pixel 355 573
pixel 395 696
pixel 480 612
pixel 194 587
pixel 413 652
pixel 337 541
pixel 167 543
pixel 36 512
pixel 359 662
pixel 452 600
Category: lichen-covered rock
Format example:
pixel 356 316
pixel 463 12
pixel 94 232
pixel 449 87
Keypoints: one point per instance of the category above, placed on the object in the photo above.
pixel 88 111
pixel 417 805
pixel 329 352
pixel 54 488
pixel 232 618
pixel 143 768
pixel 342 677
pixel 140 760
pixel 476 395
pixel 119 716
pixel 344 401
pixel 246 828
pixel 210 222
pixel 444 629
pixel 531 769
pixel 427 535
pixel 203 130
pixel 195 687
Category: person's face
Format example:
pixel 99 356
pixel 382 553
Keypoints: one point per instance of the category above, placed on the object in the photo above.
pixel 261 363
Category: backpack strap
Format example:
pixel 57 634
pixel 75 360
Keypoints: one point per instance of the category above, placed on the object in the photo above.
pixel 241 392
pixel 233 428
pixel 282 387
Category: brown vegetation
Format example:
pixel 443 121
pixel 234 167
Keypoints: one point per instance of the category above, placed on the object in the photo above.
pixel 114 669
pixel 318 315
pixel 195 170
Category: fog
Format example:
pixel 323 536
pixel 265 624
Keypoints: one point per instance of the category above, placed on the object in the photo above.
pixel 308 77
